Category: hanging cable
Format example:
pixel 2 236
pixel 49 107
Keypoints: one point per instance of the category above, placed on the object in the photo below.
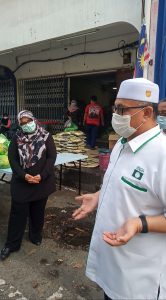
pixel 84 49
pixel 124 46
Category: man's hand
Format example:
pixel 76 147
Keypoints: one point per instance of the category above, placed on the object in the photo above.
pixel 89 203
pixel 124 233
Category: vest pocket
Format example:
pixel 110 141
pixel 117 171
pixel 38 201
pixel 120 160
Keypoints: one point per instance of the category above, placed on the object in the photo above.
pixel 142 189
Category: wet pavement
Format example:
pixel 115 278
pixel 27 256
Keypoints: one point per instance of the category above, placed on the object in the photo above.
pixel 56 269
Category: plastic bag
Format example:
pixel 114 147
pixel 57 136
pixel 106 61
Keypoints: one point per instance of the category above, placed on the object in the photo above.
pixel 4 162
pixel 67 123
pixel 71 127
pixel 4 145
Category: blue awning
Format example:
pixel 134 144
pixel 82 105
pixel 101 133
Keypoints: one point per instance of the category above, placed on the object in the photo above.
pixel 160 58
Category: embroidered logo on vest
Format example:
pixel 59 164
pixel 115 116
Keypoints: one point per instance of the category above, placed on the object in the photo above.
pixel 138 173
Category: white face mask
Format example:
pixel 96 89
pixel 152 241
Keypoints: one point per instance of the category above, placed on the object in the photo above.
pixel 29 127
pixel 121 125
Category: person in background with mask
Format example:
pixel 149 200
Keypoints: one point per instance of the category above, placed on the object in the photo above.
pixel 127 256
pixel 161 118
pixel 5 124
pixel 32 155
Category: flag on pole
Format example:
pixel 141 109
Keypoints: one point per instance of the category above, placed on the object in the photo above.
pixel 143 55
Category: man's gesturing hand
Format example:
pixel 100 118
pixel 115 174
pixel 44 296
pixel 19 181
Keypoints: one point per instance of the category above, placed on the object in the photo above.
pixel 124 233
pixel 89 203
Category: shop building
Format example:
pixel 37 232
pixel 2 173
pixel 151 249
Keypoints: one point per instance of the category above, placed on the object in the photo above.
pixel 55 51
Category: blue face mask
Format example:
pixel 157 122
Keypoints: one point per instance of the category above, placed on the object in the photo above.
pixel 161 120
pixel 29 127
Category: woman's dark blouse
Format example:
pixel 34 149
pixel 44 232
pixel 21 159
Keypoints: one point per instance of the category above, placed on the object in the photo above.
pixel 21 190
pixel 75 116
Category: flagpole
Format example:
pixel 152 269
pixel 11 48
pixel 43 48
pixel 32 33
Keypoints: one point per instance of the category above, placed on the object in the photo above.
pixel 147 14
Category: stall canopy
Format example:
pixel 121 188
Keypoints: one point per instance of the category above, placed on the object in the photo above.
pixel 160 59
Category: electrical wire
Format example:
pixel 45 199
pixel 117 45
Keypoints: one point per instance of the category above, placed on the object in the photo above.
pixel 124 46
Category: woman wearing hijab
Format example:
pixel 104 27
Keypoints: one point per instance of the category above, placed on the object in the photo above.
pixel 74 113
pixel 32 155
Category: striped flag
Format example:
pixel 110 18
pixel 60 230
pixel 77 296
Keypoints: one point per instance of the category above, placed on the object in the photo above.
pixel 143 55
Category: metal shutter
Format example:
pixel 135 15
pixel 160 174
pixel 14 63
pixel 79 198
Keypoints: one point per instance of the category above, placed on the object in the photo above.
pixel 8 98
pixel 46 97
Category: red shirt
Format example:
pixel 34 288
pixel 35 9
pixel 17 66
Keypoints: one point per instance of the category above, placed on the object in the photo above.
pixel 93 113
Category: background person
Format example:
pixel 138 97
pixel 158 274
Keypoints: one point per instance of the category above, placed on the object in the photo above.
pixel 32 155
pixel 5 124
pixel 161 118
pixel 74 114
pixel 93 118
pixel 127 257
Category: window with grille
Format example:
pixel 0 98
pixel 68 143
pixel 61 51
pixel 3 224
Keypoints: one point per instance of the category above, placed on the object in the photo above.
pixel 8 99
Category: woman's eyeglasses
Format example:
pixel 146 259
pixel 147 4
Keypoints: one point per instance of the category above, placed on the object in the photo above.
pixel 121 110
